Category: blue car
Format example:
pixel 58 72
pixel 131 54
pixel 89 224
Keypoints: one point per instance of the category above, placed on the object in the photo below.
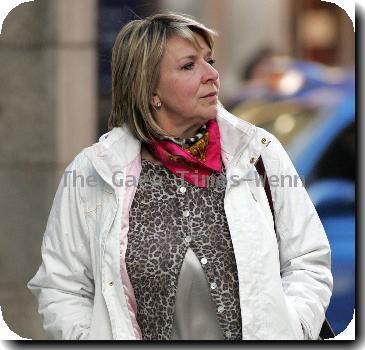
pixel 324 155
pixel 319 135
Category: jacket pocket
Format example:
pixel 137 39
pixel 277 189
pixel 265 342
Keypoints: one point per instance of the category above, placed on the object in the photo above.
pixel 296 324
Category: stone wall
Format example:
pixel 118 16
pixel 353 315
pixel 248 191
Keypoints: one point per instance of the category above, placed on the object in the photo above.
pixel 47 115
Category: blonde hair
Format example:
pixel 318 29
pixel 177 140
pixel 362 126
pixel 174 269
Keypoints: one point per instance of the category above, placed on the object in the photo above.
pixel 136 58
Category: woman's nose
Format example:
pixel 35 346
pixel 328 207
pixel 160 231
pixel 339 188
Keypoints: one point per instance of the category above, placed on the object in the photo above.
pixel 210 74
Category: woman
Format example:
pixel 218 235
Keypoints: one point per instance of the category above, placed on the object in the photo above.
pixel 170 236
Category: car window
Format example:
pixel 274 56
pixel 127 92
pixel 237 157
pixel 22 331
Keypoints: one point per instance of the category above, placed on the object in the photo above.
pixel 284 119
pixel 339 159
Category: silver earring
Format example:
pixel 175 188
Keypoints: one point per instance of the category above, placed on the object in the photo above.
pixel 158 104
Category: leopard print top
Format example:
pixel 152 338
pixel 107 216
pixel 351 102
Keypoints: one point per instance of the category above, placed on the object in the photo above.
pixel 167 216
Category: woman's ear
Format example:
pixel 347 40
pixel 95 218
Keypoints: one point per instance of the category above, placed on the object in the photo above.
pixel 156 102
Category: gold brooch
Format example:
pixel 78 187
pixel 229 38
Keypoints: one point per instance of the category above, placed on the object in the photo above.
pixel 199 148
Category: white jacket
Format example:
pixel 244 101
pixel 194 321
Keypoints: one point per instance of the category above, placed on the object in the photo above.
pixel 82 286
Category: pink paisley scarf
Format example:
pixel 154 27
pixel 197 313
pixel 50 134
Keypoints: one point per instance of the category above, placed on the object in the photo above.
pixel 195 163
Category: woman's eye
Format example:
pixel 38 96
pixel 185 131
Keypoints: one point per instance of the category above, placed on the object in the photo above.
pixel 188 66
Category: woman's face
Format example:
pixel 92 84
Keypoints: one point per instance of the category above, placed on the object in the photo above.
pixel 186 77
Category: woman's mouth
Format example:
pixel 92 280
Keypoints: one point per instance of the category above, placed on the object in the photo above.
pixel 212 97
pixel 214 93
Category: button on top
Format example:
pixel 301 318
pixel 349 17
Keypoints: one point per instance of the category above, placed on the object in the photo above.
pixel 182 189
pixel 111 284
pixel 187 239
pixel 186 213
pixel 213 285
pixel 263 140
pixel 203 261
pixel 220 309
pixel 252 160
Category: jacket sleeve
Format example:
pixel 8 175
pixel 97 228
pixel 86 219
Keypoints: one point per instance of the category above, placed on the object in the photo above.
pixel 305 255
pixel 64 284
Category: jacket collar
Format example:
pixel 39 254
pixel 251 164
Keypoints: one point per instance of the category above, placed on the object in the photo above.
pixel 118 148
